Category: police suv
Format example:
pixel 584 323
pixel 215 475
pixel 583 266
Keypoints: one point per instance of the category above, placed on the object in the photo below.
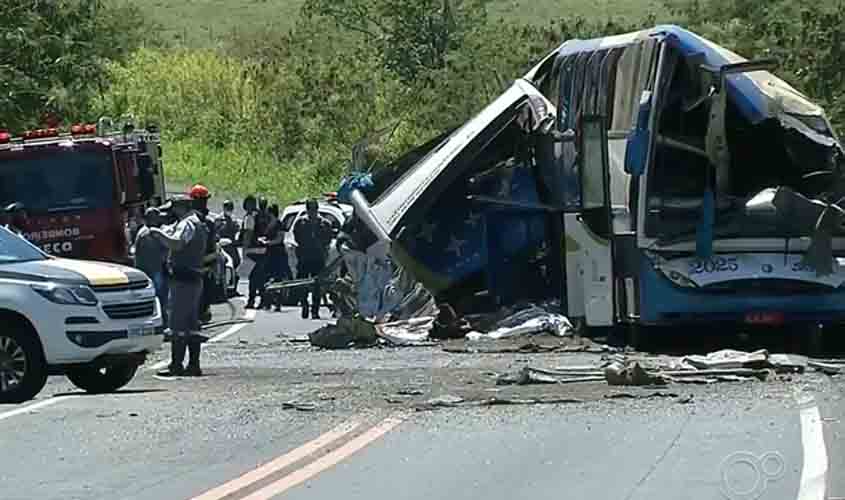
pixel 91 321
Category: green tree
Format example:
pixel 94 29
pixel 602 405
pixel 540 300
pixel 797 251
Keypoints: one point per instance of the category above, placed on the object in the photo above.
pixel 413 35
pixel 54 55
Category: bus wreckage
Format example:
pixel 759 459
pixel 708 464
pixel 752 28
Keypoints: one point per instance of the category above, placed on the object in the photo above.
pixel 649 178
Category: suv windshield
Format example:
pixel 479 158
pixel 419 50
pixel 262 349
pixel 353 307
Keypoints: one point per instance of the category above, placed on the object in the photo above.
pixel 57 180
pixel 16 249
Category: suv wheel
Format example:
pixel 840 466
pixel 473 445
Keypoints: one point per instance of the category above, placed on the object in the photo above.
pixel 23 371
pixel 98 379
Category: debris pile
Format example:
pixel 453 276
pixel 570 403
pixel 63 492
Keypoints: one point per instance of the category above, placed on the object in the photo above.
pixel 720 366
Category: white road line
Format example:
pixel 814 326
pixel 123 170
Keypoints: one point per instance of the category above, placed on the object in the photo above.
pixel 32 407
pixel 249 314
pixel 813 481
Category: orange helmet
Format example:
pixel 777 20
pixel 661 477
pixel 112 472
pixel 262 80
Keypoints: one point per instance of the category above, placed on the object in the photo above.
pixel 199 192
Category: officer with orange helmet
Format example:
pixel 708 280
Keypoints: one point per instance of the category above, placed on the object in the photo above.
pixel 200 195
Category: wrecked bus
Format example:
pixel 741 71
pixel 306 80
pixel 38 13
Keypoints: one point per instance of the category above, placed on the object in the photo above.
pixel 649 178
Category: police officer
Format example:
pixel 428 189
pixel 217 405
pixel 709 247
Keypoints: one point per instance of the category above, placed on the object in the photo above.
pixel 151 257
pixel 254 249
pixel 187 242
pixel 16 218
pixel 313 234
pixel 228 228
pixel 200 195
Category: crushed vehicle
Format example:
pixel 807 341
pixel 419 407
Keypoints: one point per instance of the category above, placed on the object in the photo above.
pixel 649 178
pixel 83 187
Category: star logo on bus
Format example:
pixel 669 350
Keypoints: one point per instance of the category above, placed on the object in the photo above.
pixel 427 232
pixel 456 246
pixel 473 219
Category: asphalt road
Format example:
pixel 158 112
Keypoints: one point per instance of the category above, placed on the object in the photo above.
pixel 230 434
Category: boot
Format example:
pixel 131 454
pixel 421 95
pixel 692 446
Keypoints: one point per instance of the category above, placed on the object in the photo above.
pixel 250 304
pixel 305 309
pixel 193 369
pixel 177 355
pixel 315 313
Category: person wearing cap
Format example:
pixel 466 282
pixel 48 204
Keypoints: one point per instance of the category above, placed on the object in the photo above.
pixel 186 240
pixel 151 257
pixel 16 218
pixel 200 195
pixel 313 234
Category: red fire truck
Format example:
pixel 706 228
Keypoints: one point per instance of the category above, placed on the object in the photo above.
pixel 81 187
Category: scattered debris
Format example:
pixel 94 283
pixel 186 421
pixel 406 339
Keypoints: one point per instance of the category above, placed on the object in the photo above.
pixel 645 395
pixel 445 401
pixel 728 359
pixel 826 368
pixel 493 401
pixel 631 373
pixel 410 391
pixel 299 406
pixel 685 400
pixel 407 332
pixel 531 320
pixel 329 373
pixel 788 363
pixel 347 333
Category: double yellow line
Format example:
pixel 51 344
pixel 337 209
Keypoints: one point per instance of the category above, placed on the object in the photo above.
pixel 308 469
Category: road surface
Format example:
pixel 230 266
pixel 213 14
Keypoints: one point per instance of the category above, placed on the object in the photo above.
pixel 275 418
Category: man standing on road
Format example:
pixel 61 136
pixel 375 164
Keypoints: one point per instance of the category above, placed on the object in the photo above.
pixel 228 228
pixel 200 195
pixel 313 234
pixel 254 250
pixel 187 242
pixel 277 259
pixel 151 257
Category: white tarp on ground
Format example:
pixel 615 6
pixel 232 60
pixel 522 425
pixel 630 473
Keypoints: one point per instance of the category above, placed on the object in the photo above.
pixel 534 319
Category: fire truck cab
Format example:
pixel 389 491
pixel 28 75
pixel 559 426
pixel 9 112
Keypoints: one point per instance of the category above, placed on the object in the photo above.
pixel 81 187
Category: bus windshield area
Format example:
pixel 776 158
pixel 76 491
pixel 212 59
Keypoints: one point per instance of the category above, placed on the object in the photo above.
pixel 57 181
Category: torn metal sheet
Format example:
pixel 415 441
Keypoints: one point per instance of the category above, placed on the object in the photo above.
pixel 727 359
pixel 534 319
pixel 407 332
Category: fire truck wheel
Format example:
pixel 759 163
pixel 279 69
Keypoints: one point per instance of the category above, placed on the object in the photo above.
pixel 102 379
pixel 23 371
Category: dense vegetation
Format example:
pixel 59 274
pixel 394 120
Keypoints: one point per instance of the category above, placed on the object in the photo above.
pixel 277 107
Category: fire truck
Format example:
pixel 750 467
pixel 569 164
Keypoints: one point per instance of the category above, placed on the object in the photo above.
pixel 82 187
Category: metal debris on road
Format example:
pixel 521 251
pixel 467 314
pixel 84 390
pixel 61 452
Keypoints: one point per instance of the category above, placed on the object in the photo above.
pixel 631 373
pixel 645 395
pixel 531 320
pixel 727 359
pixel 299 406
pixel 826 368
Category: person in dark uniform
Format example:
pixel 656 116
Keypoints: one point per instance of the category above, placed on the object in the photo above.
pixel 228 228
pixel 200 195
pixel 151 257
pixel 254 250
pixel 187 242
pixel 16 218
pixel 277 259
pixel 313 234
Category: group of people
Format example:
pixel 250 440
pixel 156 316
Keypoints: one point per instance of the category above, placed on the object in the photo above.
pixel 177 247
pixel 262 237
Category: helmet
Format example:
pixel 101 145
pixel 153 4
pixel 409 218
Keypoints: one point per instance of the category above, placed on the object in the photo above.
pixel 14 207
pixel 228 205
pixel 199 192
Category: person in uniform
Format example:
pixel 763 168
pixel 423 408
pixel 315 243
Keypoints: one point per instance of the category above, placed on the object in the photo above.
pixel 277 259
pixel 151 257
pixel 254 250
pixel 16 218
pixel 186 240
pixel 313 234
pixel 228 228
pixel 200 195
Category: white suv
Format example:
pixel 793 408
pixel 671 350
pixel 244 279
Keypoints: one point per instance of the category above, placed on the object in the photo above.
pixel 91 321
